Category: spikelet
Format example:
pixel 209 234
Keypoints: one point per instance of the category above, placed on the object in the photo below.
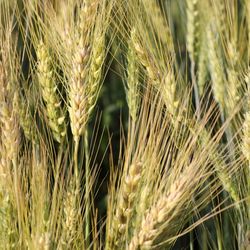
pixel 55 113
pixel 125 205
pixel 193 32
pixel 133 98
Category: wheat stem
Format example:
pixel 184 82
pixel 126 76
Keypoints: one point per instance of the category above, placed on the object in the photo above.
pixel 87 190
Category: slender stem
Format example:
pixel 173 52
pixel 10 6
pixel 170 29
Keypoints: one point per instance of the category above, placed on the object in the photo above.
pixel 191 243
pixel 204 239
pixel 17 194
pixel 76 170
pixel 87 190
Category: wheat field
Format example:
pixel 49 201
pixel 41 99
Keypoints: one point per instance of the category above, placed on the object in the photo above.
pixel 125 125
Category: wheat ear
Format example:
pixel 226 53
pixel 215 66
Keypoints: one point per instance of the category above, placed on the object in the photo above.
pixel 202 65
pixel 246 152
pixel 221 168
pixel 145 60
pixel 77 110
pixel 216 68
pixel 159 217
pixel 25 118
pixel 160 24
pixel 221 15
pixel 71 213
pixel 78 97
pixel 98 54
pixel 247 11
pixel 133 98
pixel 46 79
pixel 233 72
pixel 125 205
pixel 8 120
pixel 193 29
pixel 165 83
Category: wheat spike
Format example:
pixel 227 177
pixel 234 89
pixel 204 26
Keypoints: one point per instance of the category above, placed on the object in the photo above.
pixel 46 79
pixel 164 83
pixel 133 98
pixel 78 93
pixel 145 60
pixel 160 215
pixel 159 23
pixel 25 118
pixel 78 98
pixel 246 137
pixel 168 92
pixel 221 169
pixel 221 15
pixel 216 68
pixel 246 152
pixel 193 32
pixel 125 205
pixel 71 214
pixel 233 72
pixel 10 131
pixel 202 65
pixel 247 11
pixel 98 53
